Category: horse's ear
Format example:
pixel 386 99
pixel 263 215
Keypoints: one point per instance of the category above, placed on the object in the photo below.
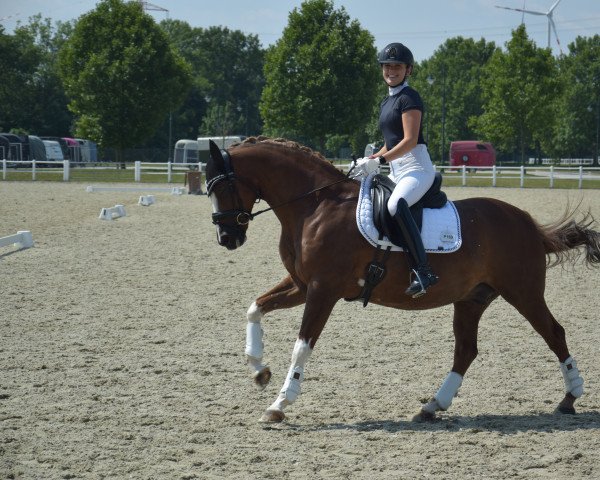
pixel 216 155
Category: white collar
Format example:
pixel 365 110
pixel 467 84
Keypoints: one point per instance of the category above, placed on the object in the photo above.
pixel 397 89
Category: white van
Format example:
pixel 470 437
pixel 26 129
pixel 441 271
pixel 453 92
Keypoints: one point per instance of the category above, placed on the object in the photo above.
pixel 222 142
pixel 53 151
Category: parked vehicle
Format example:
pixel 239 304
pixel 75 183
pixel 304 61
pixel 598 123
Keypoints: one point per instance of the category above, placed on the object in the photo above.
pixel 371 148
pixel 222 142
pixel 4 148
pixel 34 149
pixel 15 148
pixel 73 149
pixel 472 154
pixel 186 151
pixel 54 152
pixel 89 150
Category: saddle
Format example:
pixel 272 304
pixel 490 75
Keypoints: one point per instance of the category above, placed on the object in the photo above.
pixel 381 189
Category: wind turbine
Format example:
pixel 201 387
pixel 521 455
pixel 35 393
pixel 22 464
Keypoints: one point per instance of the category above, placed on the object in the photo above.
pixel 548 14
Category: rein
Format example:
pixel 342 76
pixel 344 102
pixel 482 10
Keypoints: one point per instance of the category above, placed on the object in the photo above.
pixel 243 217
pixel 304 195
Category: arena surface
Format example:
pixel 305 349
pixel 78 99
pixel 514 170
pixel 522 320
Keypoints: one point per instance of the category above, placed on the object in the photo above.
pixel 121 356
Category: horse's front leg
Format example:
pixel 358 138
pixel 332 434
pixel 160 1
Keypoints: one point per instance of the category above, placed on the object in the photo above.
pixel 285 295
pixel 318 308
pixel 466 323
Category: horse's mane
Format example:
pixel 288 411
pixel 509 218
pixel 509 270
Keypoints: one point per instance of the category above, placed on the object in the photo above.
pixel 288 145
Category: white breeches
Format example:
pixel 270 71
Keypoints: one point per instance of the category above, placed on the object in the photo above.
pixel 413 174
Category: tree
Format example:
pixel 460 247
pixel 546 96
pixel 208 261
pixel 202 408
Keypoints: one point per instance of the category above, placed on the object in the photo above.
pixel 321 77
pixel 18 62
pixel 31 94
pixel 449 83
pixel 227 75
pixel 520 89
pixel 48 113
pixel 578 116
pixel 121 74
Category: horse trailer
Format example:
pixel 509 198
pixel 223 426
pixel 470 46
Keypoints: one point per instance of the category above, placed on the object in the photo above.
pixel 186 151
pixel 472 153
pixel 222 142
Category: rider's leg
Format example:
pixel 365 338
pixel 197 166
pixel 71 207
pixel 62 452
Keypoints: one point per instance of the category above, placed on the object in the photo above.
pixel 424 276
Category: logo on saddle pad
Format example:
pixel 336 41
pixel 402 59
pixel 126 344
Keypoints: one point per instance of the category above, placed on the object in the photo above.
pixel 446 236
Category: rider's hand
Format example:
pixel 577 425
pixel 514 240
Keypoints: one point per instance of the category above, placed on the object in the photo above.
pixel 366 165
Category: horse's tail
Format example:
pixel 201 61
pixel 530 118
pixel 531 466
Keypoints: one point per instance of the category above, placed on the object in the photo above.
pixel 562 239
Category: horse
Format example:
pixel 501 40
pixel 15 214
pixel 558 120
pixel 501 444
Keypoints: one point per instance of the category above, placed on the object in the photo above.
pixel 504 252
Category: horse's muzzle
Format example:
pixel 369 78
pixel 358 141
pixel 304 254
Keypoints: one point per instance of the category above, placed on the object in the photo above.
pixel 231 242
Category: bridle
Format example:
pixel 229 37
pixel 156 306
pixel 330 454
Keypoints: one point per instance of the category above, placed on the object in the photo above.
pixel 226 175
pixel 243 217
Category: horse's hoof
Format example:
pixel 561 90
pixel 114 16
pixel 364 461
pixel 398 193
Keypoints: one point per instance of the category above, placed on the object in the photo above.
pixel 565 410
pixel 566 406
pixel 262 378
pixel 424 416
pixel 272 416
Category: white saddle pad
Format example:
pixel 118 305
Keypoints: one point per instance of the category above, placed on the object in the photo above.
pixel 440 230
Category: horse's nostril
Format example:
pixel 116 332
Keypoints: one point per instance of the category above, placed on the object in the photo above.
pixel 223 239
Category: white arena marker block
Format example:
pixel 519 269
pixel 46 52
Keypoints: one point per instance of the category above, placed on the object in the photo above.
pixel 120 210
pixel 146 200
pixel 112 212
pixel 177 191
pixel 26 239
pixel 23 239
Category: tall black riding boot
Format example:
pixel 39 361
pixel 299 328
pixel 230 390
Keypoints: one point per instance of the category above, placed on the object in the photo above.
pixel 424 276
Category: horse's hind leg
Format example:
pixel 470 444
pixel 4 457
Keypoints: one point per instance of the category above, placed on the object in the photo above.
pixel 542 320
pixel 284 295
pixel 467 314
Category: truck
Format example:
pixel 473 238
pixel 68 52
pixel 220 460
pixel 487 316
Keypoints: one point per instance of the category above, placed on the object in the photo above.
pixel 472 153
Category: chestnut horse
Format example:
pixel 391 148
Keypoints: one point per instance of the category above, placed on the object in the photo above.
pixel 504 253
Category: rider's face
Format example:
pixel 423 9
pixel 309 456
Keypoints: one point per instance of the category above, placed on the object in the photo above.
pixel 394 73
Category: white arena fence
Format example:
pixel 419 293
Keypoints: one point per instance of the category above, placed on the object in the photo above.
pixel 541 176
pixel 64 168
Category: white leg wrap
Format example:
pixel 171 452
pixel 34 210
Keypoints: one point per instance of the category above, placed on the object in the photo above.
pixel 254 336
pixel 448 390
pixel 573 381
pixel 293 382
pixel 254 343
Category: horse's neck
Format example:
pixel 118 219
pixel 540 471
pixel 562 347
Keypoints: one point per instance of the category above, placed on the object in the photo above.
pixel 290 179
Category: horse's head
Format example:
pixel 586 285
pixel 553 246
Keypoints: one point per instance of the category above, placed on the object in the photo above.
pixel 231 205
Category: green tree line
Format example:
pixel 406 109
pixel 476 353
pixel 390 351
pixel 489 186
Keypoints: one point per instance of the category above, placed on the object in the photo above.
pixel 118 77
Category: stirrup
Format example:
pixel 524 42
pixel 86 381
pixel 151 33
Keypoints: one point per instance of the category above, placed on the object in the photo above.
pixel 425 278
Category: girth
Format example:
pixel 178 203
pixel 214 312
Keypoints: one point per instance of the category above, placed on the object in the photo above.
pixel 381 189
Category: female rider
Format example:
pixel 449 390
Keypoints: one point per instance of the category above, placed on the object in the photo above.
pixel 400 121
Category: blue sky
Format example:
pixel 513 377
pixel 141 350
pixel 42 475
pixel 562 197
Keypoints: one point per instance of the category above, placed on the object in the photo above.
pixel 423 25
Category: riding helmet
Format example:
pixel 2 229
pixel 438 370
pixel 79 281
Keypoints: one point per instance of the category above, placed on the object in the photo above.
pixel 396 53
